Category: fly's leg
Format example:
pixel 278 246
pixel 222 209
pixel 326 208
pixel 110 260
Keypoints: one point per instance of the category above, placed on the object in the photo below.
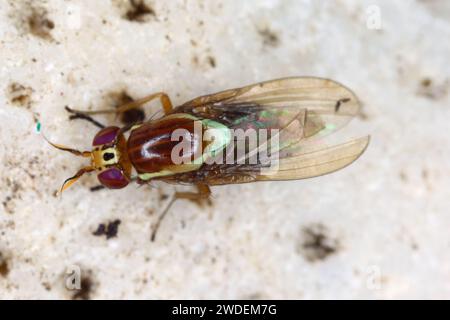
pixel 97 188
pixel 81 115
pixel 200 197
pixel 163 98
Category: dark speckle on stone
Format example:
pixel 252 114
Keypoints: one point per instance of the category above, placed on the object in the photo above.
pixel 85 291
pixel 433 90
pixel 47 286
pixel 269 37
pixel 4 266
pixel 139 11
pixel 315 245
pixel 110 230
pixel 403 176
pixel 212 61
pixel 20 95
pixel 426 82
pixel 163 197
pixel 39 24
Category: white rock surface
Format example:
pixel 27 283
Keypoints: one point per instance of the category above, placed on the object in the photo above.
pixel 385 219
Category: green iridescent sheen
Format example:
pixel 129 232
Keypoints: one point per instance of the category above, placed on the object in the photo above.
pixel 328 128
pixel 220 141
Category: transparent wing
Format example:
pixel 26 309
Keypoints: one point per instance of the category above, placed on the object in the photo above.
pixel 323 105
pixel 301 111
pixel 315 163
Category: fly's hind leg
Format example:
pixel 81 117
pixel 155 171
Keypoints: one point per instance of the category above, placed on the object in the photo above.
pixel 201 197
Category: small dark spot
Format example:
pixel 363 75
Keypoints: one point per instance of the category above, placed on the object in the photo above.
pixel 425 174
pixel 426 178
pixel 314 243
pixel 85 291
pixel 339 103
pixel 7 205
pixel 139 11
pixel 110 230
pixel 255 296
pixel 4 266
pixel 402 175
pixel 20 95
pixel 47 286
pixel 15 186
pixel 97 188
pixel 431 90
pixel 195 60
pixel 269 37
pixel 212 61
pixel 426 82
pixel 163 197
pixel 131 116
pixel 39 24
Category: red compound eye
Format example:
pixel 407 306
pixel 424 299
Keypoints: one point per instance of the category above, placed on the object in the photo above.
pixel 113 178
pixel 105 136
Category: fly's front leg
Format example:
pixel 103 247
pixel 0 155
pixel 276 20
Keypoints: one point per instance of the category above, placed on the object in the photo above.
pixel 81 115
pixel 163 98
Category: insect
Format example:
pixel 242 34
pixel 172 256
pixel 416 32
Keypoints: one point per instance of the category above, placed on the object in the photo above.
pixel 300 113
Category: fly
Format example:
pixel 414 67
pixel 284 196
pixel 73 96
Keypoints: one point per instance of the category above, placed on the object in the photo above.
pixel 282 127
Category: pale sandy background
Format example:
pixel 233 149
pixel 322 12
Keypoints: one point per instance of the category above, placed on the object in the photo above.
pixel 378 229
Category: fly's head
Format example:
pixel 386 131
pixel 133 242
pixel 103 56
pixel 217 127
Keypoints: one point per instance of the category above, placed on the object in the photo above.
pixel 108 157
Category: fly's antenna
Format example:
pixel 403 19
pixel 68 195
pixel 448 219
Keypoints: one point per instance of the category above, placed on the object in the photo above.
pixel 70 181
pixel 84 154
